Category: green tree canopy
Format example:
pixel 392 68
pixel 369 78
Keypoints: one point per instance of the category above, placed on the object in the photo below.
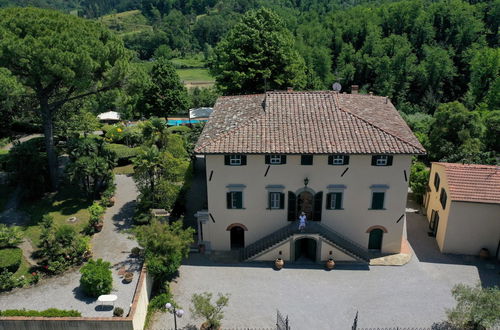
pixel 166 94
pixel 258 49
pixel 59 58
pixel 476 308
pixel 455 133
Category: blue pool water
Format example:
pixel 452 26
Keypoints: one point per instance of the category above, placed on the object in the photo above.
pixel 177 122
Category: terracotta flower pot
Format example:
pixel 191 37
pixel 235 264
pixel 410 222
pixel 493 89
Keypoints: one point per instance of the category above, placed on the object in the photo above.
pixel 205 326
pixel 128 277
pixel 330 264
pixel 112 201
pixel 279 263
pixel 484 254
pixel 98 226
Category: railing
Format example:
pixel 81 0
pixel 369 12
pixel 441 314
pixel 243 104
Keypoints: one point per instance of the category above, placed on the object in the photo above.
pixel 342 243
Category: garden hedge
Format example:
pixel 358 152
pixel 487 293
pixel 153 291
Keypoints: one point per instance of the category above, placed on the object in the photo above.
pixel 51 312
pixel 10 259
pixel 123 153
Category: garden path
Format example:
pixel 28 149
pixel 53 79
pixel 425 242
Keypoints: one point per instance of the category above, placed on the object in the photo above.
pixel 112 244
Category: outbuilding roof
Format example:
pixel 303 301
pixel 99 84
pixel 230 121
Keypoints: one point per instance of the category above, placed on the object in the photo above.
pixel 110 115
pixel 321 122
pixel 473 183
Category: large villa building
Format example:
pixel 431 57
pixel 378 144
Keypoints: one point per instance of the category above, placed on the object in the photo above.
pixel 342 159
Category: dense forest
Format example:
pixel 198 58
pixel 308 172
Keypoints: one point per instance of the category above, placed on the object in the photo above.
pixel 438 61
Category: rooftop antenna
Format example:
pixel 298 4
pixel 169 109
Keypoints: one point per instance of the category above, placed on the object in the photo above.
pixel 337 87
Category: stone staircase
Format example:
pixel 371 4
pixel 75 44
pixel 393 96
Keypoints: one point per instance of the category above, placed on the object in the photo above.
pixel 334 238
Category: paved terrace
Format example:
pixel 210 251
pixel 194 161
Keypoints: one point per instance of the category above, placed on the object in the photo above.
pixel 414 295
pixel 111 244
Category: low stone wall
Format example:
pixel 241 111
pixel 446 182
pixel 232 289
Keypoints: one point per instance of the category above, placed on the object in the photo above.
pixel 134 321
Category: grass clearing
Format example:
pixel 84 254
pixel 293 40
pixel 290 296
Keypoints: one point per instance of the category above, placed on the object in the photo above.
pixel 126 170
pixel 24 269
pixel 195 75
pixel 127 22
pixel 66 203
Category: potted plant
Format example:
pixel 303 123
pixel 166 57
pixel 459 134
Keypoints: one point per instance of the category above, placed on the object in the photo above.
pixel 279 263
pixel 118 312
pixel 211 312
pixel 330 263
pixel 128 277
pixel 135 252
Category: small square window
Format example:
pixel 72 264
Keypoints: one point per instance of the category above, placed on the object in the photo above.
pixel 235 160
pixel 306 160
pixel 382 160
pixel 275 159
pixel 338 160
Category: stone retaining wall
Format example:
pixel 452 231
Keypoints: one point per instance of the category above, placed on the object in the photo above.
pixel 134 321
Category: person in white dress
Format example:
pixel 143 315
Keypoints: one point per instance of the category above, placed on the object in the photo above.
pixel 302 221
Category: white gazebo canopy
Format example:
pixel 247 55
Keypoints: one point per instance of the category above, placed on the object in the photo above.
pixel 110 115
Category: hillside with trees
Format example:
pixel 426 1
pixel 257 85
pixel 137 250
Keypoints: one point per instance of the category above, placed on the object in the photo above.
pixel 438 61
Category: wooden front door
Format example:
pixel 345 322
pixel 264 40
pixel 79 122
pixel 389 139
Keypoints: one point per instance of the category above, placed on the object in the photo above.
pixel 305 204
pixel 375 240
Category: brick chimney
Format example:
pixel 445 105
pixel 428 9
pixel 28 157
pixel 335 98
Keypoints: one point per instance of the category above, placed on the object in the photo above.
pixel 354 89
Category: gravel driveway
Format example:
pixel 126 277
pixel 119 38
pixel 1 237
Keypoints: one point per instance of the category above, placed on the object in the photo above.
pixel 111 244
pixel 414 295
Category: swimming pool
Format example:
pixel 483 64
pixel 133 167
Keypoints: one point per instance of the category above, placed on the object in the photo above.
pixel 178 122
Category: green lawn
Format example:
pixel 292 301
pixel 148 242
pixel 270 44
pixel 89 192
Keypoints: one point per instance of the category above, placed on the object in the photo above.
pixel 23 269
pixel 198 75
pixel 127 169
pixel 66 203
pixel 192 62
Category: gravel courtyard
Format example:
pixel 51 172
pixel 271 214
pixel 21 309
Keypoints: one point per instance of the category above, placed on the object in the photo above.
pixel 111 244
pixel 414 295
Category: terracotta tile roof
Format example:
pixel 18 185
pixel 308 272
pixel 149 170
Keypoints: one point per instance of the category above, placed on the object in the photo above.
pixel 306 122
pixel 473 183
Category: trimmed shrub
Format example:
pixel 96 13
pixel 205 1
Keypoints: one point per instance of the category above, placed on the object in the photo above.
pixel 10 259
pixel 96 278
pixel 8 281
pixel 51 312
pixel 10 236
pixel 179 129
pixel 123 153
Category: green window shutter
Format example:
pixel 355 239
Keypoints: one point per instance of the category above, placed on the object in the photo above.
pixel 268 159
pixel 330 160
pixel 378 200
pixel 329 201
pixel 346 160
pixel 283 159
pixel 243 159
pixel 228 200
pixel 239 199
pixel 227 160
pixel 374 160
pixel 389 160
pixel 318 205
pixel 282 201
pixel 338 200
pixel 292 206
